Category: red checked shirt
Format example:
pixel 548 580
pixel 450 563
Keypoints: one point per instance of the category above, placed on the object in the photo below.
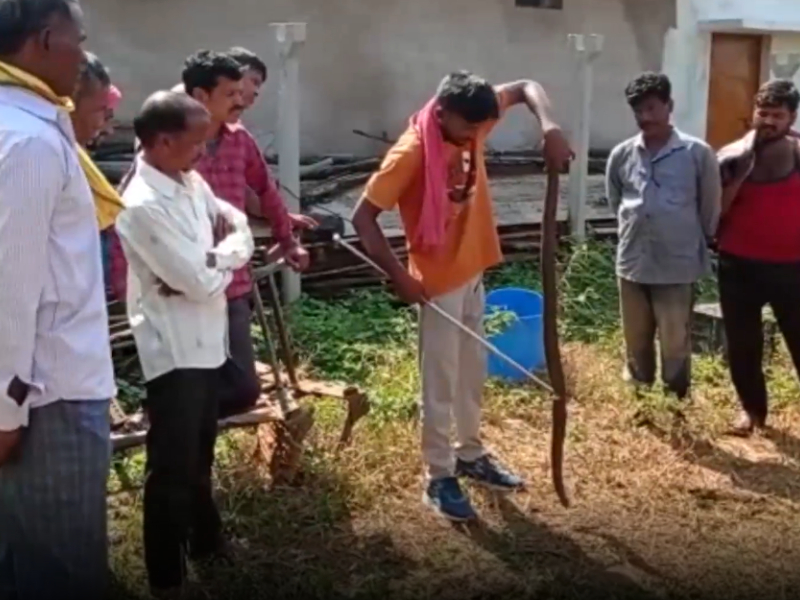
pixel 232 164
pixel 118 267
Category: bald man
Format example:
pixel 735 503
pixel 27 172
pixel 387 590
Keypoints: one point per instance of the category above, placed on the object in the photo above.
pixel 182 246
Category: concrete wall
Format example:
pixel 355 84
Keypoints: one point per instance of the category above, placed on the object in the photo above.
pixel 764 14
pixel 785 61
pixel 687 49
pixel 368 65
pixel 687 54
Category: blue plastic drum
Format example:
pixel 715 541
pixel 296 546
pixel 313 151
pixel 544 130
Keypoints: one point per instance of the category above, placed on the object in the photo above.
pixel 523 340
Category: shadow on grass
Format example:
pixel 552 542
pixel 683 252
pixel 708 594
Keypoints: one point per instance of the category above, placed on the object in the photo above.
pixel 766 478
pixel 786 443
pixel 549 564
pixel 302 542
pixel 292 542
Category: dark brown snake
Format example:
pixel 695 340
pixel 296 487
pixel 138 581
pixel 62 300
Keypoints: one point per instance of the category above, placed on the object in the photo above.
pixel 555 369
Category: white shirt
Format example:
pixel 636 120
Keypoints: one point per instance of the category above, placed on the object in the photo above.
pixel 166 233
pixel 53 316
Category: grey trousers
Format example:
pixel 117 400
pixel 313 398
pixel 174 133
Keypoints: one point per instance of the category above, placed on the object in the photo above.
pixel 453 371
pixel 667 311
pixel 53 530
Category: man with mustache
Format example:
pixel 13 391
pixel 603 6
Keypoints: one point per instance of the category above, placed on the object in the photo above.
pixel 232 166
pixel 254 76
pixel 664 187
pixel 759 244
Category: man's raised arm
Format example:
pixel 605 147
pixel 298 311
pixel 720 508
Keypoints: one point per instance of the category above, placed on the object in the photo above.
pixel 736 162
pixel 557 152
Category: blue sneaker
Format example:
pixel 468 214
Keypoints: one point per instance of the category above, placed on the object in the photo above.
pixel 489 473
pixel 446 498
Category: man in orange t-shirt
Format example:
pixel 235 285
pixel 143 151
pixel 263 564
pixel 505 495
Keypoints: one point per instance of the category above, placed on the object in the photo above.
pixel 449 273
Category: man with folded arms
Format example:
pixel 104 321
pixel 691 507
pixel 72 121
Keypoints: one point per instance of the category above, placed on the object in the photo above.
pixel 234 167
pixel 182 246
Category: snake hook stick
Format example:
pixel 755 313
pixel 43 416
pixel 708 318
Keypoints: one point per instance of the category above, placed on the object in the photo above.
pixel 555 368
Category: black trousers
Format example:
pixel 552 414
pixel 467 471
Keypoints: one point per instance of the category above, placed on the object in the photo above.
pixel 745 287
pixel 239 384
pixel 179 511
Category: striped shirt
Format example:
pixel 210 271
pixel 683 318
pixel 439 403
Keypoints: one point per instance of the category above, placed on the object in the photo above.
pixel 53 319
pixel 166 233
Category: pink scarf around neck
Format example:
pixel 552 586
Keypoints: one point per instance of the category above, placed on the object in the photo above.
pixel 433 215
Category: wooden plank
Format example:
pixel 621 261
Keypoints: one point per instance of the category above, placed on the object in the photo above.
pixel 259 415
pixel 267 410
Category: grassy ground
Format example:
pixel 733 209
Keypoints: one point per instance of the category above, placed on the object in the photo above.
pixel 659 511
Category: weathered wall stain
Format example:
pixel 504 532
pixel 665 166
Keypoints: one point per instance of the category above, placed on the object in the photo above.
pixel 785 66
pixel 370 65
pixel 649 21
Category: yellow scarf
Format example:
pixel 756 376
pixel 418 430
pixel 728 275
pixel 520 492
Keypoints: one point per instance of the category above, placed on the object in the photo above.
pixel 107 201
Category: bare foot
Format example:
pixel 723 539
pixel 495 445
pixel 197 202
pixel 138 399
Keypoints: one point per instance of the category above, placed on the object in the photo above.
pixel 746 424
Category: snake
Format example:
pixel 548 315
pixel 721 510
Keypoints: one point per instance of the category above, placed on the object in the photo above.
pixel 555 367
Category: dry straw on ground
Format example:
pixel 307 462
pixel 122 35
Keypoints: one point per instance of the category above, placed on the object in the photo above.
pixel 661 509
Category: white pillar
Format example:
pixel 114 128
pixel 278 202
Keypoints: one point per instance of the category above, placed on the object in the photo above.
pixel 290 37
pixel 585 49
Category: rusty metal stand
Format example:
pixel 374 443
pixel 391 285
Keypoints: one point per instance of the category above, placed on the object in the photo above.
pixel 281 443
